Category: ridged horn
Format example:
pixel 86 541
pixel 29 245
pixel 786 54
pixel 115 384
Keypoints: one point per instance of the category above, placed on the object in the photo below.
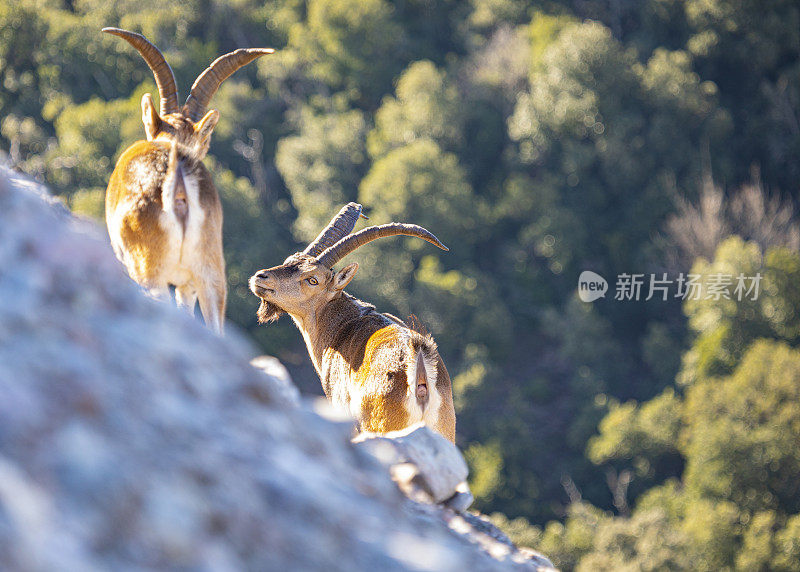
pixel 349 243
pixel 208 82
pixel 340 226
pixel 165 80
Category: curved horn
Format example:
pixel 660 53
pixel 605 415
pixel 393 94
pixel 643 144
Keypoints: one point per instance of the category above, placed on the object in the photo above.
pixel 165 80
pixel 207 83
pixel 349 243
pixel 340 226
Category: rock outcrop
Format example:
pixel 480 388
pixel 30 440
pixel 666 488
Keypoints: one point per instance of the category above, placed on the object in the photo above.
pixel 133 438
pixel 427 467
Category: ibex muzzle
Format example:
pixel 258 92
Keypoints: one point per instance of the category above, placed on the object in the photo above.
pixel 386 374
pixel 163 212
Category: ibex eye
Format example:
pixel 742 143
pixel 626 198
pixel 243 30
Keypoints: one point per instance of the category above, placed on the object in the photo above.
pixel 312 281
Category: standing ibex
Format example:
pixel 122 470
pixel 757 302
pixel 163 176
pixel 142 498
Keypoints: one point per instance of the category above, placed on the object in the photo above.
pixel 163 213
pixel 386 374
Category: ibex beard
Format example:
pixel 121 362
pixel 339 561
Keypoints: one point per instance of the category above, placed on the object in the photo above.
pixel 386 374
pixel 267 312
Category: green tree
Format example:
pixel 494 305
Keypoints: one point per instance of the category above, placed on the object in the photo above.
pixel 741 431
pixel 726 327
pixel 322 166
pixel 421 183
pixel 613 135
pixel 341 41
pixel 750 50
pixel 641 437
pixel 647 541
pixel 426 106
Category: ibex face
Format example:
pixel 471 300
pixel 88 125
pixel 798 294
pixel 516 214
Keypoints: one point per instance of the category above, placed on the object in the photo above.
pixel 298 287
pixel 163 213
pixel 387 375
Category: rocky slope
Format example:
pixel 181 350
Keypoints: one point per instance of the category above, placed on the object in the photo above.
pixel 133 438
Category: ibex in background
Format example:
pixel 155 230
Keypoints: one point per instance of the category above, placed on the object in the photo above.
pixel 163 213
pixel 386 374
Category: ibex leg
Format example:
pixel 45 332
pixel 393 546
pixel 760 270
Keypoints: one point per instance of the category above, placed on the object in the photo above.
pixel 212 303
pixel 186 297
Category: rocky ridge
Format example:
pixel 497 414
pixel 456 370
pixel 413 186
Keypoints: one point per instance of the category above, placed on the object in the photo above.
pixel 133 438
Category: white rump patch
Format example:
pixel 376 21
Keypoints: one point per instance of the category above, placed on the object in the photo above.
pixel 429 415
pixel 185 251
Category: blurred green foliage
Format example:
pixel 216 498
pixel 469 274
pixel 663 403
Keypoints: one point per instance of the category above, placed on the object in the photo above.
pixel 537 139
pixel 728 431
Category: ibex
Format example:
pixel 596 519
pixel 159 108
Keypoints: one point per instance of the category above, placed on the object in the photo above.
pixel 163 212
pixel 386 374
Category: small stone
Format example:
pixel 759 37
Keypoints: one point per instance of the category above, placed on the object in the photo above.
pixel 440 469
pixel 461 500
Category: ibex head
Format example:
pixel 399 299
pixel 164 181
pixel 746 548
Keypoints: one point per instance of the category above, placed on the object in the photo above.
pixel 191 125
pixel 306 280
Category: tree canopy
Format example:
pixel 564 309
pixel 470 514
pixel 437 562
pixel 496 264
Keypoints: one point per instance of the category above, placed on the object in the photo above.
pixel 537 140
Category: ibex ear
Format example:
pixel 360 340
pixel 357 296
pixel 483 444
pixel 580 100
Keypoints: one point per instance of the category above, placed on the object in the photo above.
pixel 344 276
pixel 205 126
pixel 150 118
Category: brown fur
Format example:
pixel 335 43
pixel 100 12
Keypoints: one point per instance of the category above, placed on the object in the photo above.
pixel 358 352
pixel 136 207
pixel 415 324
pixel 163 213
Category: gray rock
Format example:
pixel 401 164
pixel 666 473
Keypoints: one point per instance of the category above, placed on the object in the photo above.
pixel 462 499
pixel 425 465
pixel 278 376
pixel 133 438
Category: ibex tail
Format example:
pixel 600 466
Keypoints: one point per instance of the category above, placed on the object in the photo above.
pixel 173 196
